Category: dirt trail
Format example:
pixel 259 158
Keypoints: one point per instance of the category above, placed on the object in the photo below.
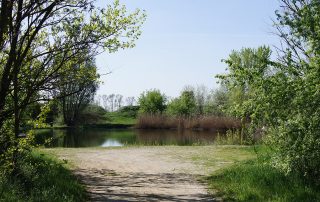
pixel 136 174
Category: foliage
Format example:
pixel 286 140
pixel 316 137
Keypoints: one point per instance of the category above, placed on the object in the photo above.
pixel 39 41
pixel 129 111
pixel 283 96
pixel 40 178
pixel 92 114
pixel 152 102
pixel 295 101
pixel 184 106
pixel 77 88
pixel 125 116
pixel 256 180
pixel 246 70
pixel 217 102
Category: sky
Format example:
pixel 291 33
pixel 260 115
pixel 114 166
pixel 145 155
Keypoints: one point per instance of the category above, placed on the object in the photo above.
pixel 183 43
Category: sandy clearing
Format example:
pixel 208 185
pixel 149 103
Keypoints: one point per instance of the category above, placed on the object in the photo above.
pixel 137 174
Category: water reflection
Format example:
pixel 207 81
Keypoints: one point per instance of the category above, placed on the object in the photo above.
pixel 111 143
pixel 109 138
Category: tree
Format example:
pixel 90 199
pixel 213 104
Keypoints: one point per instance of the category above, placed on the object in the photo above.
pixel 184 106
pixel 77 90
pixel 34 34
pixel 152 102
pixel 105 100
pixel 283 95
pixel 111 102
pixel 130 101
pixel 97 100
pixel 217 102
pixel 119 101
pixel 39 38
pixel 294 104
pixel 246 70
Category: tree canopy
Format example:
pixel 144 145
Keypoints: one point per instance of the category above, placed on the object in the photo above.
pixel 282 96
pixel 152 102
pixel 40 42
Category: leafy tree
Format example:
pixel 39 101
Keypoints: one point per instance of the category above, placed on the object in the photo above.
pixel 246 70
pixel 217 102
pixel 284 95
pixel 152 102
pixel 295 102
pixel 39 38
pixel 184 105
pixel 201 94
pixel 77 89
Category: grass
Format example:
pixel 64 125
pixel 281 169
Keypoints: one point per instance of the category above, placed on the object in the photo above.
pixel 41 178
pixel 218 157
pixel 234 173
pixel 256 180
pixel 125 115
pixel 96 117
pixel 119 118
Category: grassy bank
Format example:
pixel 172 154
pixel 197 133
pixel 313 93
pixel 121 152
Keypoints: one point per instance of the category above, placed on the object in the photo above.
pixel 120 118
pixel 256 180
pixel 98 125
pixel 41 178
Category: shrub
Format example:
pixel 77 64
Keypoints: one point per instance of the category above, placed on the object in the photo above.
pixel 184 106
pixel 40 178
pixel 256 180
pixel 152 102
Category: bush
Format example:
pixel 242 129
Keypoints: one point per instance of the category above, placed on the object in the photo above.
pixel 256 180
pixel 184 106
pixel 129 111
pixel 152 102
pixel 40 178
pixel 92 114
pixel 286 103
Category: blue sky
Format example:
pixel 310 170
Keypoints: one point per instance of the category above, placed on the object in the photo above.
pixel 183 42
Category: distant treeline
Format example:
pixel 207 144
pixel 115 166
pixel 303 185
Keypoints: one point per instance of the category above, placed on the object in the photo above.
pixel 114 102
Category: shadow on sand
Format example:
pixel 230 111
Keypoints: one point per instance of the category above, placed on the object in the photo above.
pixel 107 185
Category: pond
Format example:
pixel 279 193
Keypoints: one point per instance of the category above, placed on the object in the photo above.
pixel 108 138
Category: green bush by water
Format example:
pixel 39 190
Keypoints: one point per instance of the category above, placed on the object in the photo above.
pixel 40 178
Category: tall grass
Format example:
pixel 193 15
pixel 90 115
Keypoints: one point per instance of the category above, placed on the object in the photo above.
pixel 201 122
pixel 40 178
pixel 257 180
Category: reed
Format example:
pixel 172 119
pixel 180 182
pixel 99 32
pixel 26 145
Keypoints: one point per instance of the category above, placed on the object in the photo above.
pixel 196 123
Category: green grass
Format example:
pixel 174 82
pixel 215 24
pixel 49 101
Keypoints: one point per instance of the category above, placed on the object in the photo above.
pixel 125 115
pixel 120 118
pixel 41 178
pixel 256 180
pixel 219 156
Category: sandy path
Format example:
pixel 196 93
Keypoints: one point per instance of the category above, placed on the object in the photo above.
pixel 136 174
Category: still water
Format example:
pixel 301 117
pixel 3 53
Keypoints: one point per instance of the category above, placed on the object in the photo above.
pixel 112 138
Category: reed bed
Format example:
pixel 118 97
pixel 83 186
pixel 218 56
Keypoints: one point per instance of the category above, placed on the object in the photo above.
pixel 196 123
